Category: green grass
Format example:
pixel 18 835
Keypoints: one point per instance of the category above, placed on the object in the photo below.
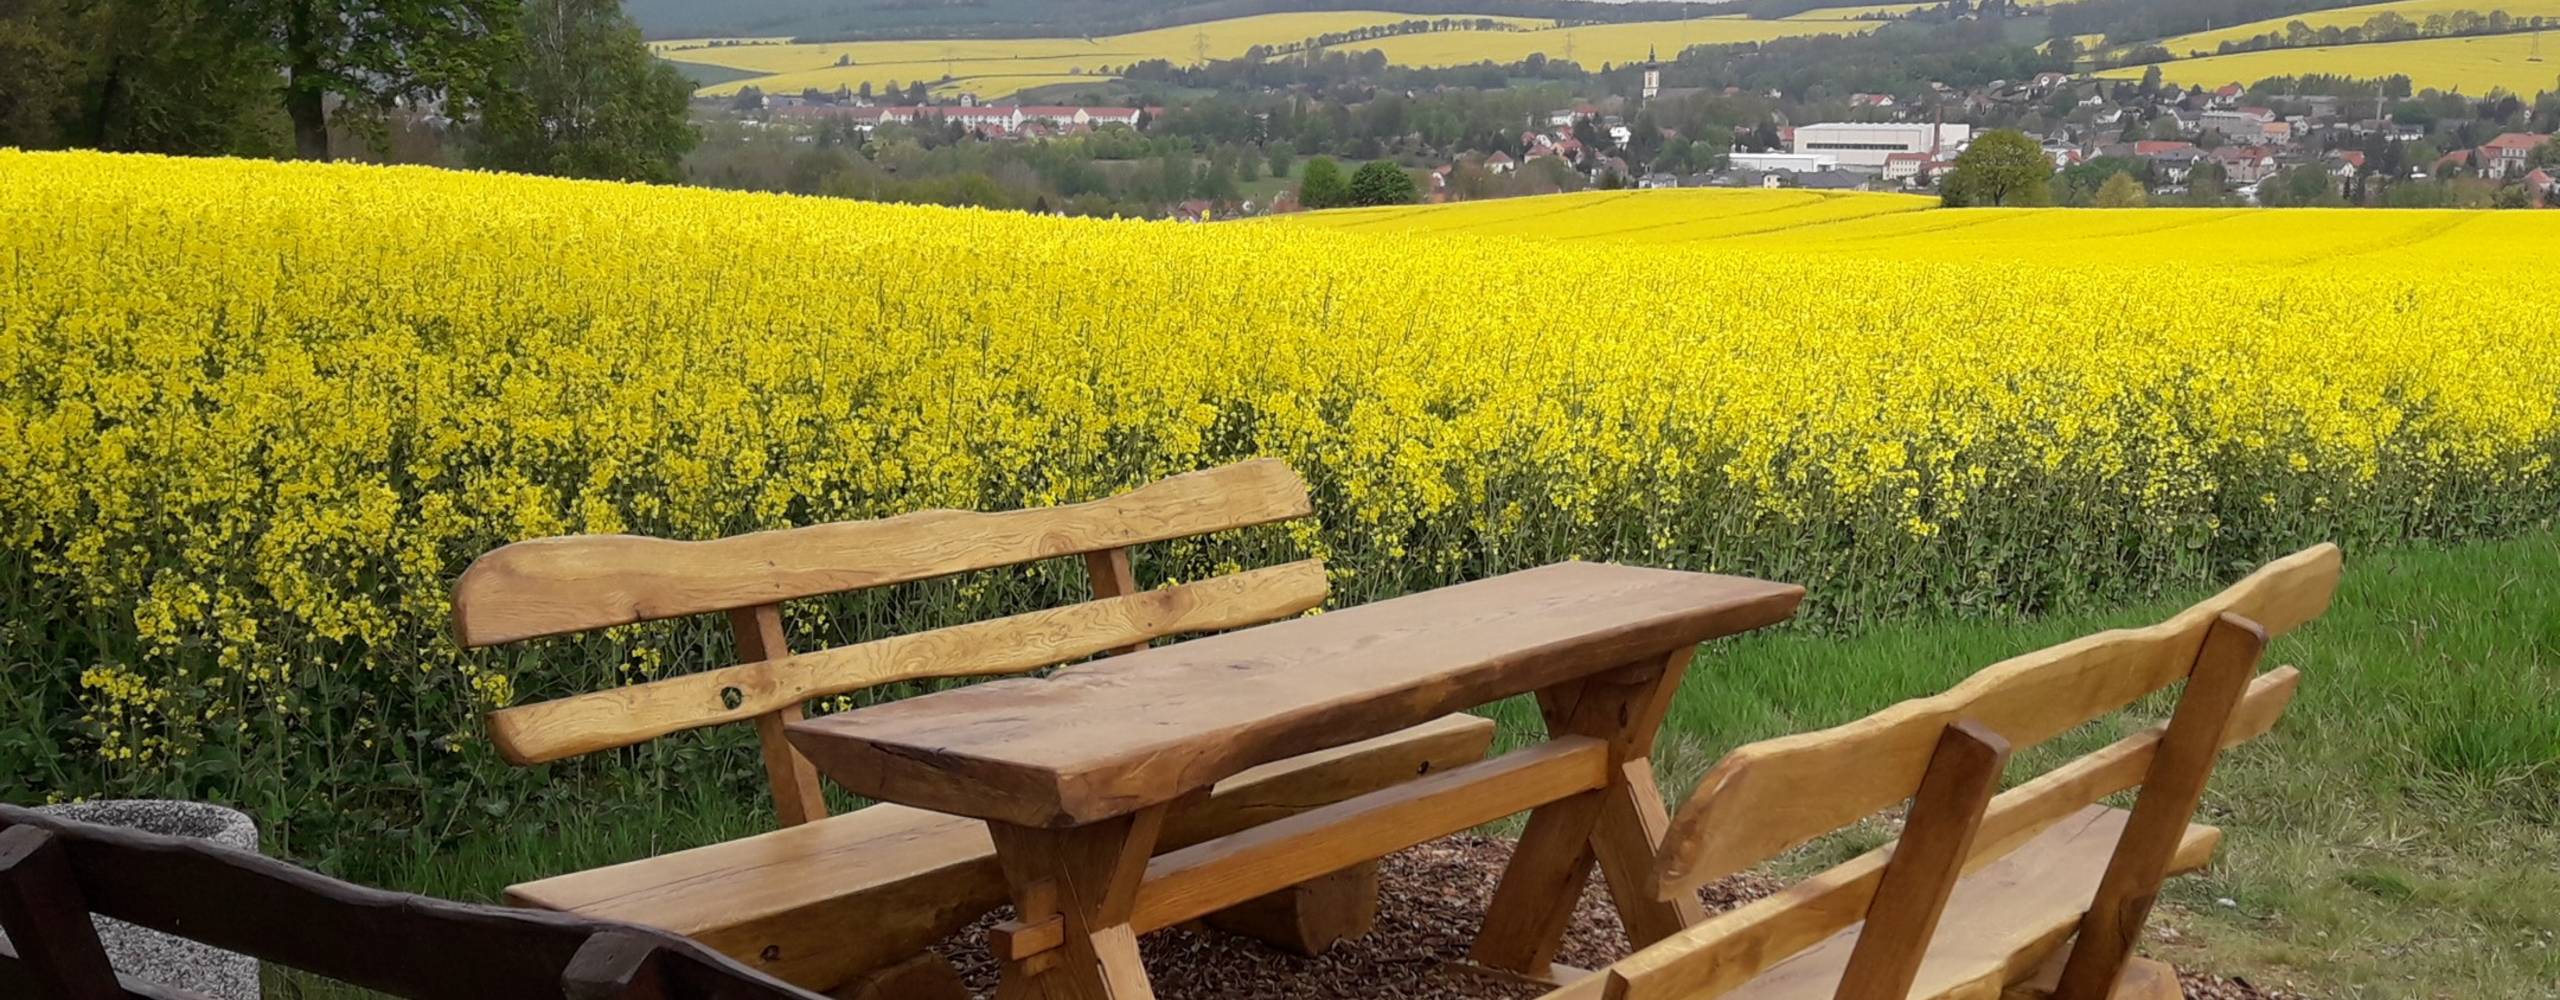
pixel 2397 835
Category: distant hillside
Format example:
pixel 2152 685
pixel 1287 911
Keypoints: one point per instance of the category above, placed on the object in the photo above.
pixel 845 19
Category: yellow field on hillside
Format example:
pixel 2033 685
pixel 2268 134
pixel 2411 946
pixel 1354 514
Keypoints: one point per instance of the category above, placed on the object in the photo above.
pixel 1665 216
pixel 1594 44
pixel 1846 13
pixel 2209 42
pixel 1898 225
pixel 2471 65
pixel 797 66
pixel 255 417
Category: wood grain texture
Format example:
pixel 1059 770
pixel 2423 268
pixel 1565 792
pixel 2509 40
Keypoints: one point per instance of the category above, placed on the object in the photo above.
pixel 2143 979
pixel 797 796
pixel 2171 790
pixel 1112 575
pixel 1770 796
pixel 389 942
pixel 555 586
pixel 603 720
pixel 44 913
pixel 1220 873
pixel 1716 956
pixel 823 904
pixel 2004 919
pixel 1525 921
pixel 1025 751
pixel 1927 861
pixel 1090 876
pixel 1311 916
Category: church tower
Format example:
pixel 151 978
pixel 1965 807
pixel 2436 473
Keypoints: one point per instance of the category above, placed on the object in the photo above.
pixel 1652 75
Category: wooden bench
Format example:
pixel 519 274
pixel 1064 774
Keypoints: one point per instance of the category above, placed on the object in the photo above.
pixel 55 873
pixel 827 901
pixel 2018 875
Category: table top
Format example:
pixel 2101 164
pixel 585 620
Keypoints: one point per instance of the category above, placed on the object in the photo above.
pixel 1109 737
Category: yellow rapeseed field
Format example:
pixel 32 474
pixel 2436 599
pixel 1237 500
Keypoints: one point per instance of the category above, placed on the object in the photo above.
pixel 257 416
pixel 1894 226
pixel 1595 44
pixel 2473 65
pixel 828 65
pixel 2417 11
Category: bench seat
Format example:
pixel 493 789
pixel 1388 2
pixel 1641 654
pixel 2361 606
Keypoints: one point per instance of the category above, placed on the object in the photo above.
pixel 824 902
pixel 2002 921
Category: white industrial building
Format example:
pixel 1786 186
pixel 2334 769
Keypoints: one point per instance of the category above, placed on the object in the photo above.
pixel 1798 163
pixel 1865 145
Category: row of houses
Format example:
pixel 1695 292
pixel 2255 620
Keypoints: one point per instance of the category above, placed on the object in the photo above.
pixel 991 119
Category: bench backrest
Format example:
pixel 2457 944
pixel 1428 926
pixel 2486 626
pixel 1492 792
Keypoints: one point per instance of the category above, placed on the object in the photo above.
pixel 55 873
pixel 1945 754
pixel 558 586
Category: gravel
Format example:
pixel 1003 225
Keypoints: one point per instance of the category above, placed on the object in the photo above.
pixel 1432 899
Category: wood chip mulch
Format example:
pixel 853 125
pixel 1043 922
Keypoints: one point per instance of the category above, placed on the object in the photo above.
pixel 1432 898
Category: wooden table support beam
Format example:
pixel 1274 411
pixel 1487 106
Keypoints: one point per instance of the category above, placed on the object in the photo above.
pixel 1211 876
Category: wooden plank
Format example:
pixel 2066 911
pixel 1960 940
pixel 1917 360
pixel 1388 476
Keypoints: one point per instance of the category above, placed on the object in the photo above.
pixel 2143 979
pixel 1720 954
pixel 1927 860
pixel 1090 876
pixel 615 965
pixel 1770 796
pixel 1025 751
pixel 1113 576
pixel 383 941
pixel 926 976
pixel 602 720
pixel 797 796
pixel 45 914
pixel 2013 912
pixel 555 586
pixel 821 904
pixel 2171 790
pixel 1220 873
pixel 1311 916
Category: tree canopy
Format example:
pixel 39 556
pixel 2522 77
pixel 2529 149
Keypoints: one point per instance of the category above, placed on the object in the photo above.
pixel 1380 182
pixel 1320 185
pixel 2003 167
pixel 584 98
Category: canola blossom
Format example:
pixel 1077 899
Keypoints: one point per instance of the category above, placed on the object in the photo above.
pixel 258 416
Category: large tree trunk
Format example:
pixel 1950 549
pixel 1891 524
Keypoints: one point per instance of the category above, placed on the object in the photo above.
pixel 310 120
pixel 304 96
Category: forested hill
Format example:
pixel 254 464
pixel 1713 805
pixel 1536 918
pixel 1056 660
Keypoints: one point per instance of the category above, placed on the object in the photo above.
pixel 841 19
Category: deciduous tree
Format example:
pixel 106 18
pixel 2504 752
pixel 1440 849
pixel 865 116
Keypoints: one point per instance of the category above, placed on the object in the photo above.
pixel 2003 167
pixel 582 97
pixel 2122 191
pixel 1380 182
pixel 1321 185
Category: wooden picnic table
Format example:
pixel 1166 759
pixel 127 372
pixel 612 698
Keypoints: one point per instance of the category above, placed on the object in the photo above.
pixel 1074 773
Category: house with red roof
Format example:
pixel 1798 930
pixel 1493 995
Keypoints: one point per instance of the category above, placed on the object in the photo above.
pixel 2509 150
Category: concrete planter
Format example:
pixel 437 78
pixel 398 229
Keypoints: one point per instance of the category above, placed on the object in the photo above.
pixel 154 956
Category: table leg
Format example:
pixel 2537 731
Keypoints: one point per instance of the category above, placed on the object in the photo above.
pixel 1620 826
pixel 1086 879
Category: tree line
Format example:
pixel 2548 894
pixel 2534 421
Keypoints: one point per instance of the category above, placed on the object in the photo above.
pixel 547 86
